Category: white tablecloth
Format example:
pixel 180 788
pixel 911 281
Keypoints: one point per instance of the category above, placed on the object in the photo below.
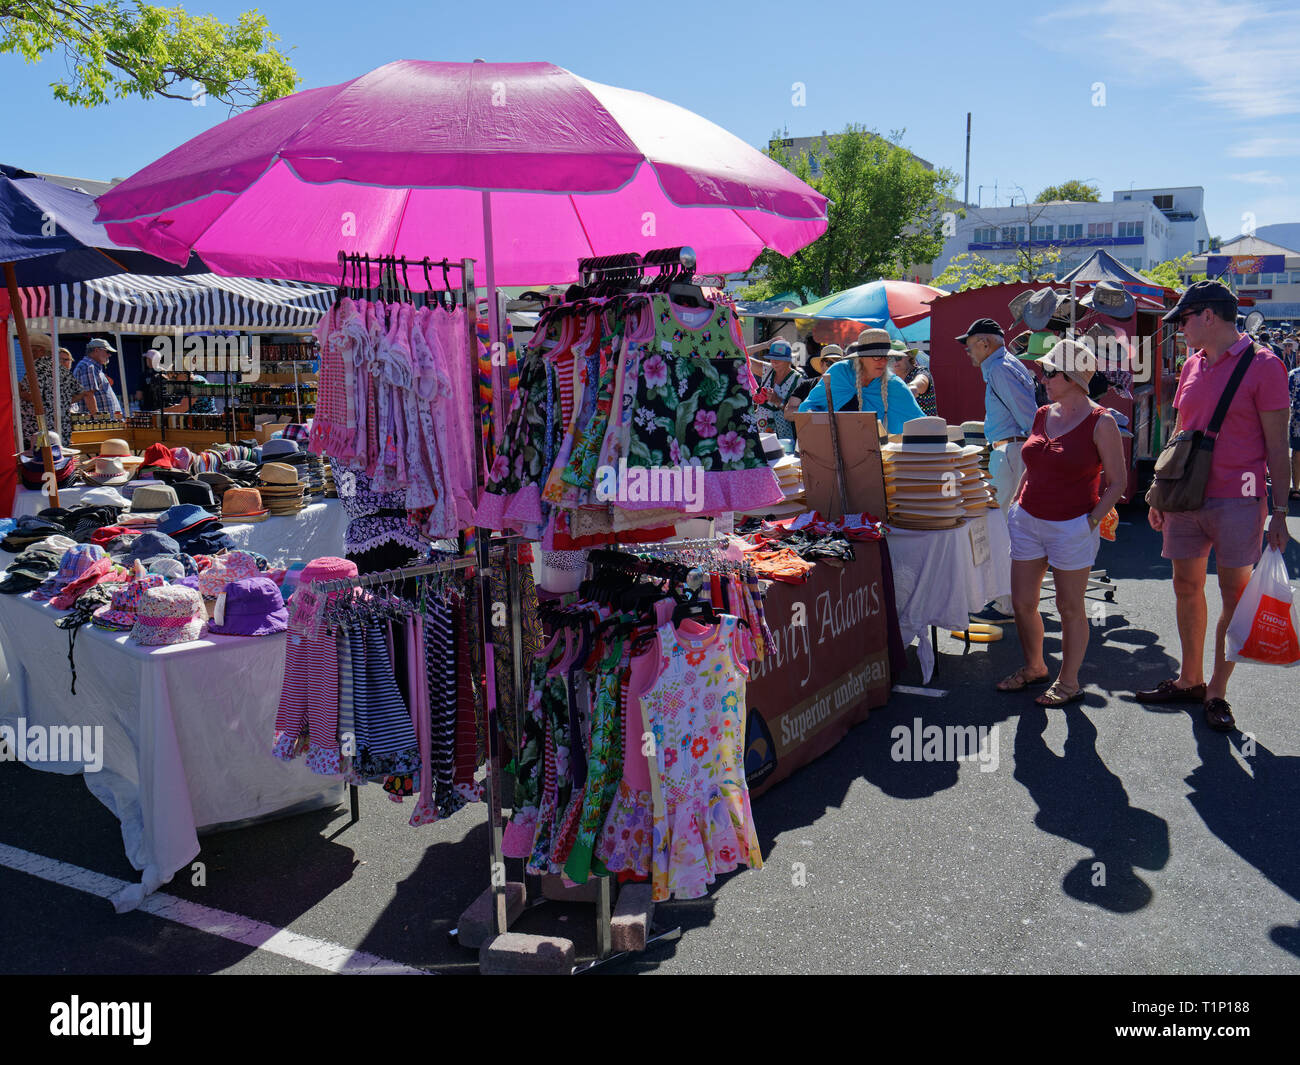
pixel 187 730
pixel 313 532
pixel 936 581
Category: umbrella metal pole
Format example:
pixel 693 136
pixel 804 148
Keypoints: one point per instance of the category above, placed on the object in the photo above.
pixel 494 325
pixel 121 371
pixel 33 385
pixel 492 781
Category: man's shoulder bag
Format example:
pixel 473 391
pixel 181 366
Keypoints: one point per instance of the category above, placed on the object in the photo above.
pixel 1183 469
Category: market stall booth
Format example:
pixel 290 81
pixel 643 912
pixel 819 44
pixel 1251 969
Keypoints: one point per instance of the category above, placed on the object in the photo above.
pixel 1130 333
pixel 237 352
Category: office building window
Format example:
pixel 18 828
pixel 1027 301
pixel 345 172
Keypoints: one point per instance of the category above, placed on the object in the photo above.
pixel 1130 229
pixel 986 235
pixel 1013 233
pixel 1099 229
pixel 1071 232
pixel 1040 232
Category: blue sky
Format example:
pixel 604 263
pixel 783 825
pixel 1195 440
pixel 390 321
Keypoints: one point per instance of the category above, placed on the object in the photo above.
pixel 1166 92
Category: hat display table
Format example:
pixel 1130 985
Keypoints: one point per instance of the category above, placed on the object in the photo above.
pixel 937 581
pixel 185 731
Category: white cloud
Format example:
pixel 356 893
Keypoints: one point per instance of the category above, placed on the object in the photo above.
pixel 1241 55
pixel 1259 177
pixel 1266 148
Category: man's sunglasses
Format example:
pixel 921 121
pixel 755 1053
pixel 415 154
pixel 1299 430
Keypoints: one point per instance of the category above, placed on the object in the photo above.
pixel 1181 320
pixel 1049 374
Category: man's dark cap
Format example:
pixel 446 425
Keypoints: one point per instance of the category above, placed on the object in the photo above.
pixel 1203 294
pixel 986 326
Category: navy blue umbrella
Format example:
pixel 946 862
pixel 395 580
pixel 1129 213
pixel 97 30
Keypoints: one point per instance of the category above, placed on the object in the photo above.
pixel 48 236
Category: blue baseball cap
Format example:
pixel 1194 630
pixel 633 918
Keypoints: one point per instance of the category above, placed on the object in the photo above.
pixel 781 350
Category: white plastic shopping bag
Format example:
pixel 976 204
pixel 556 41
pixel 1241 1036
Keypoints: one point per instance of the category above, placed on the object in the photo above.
pixel 1263 627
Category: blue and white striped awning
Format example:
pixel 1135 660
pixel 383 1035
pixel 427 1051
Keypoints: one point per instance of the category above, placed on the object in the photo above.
pixel 134 303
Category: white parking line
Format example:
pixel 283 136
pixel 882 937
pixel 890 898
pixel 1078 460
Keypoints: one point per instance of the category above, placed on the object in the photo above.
pixel 318 953
pixel 932 693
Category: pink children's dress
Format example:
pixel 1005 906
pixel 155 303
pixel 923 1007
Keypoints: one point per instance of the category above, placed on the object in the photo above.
pixel 695 709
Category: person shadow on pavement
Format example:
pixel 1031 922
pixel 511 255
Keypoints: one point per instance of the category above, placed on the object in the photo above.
pixel 1248 797
pixel 1081 800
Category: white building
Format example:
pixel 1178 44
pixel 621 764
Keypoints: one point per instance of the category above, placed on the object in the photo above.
pixel 1139 227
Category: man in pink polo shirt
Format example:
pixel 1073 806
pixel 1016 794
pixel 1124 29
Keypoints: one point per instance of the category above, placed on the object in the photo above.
pixel 1251 442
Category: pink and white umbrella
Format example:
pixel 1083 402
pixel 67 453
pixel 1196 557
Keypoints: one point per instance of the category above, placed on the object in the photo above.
pixel 423 158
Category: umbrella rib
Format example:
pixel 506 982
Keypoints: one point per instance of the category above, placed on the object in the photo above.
pixel 591 248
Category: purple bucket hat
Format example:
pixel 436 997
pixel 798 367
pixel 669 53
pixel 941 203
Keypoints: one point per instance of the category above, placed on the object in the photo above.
pixel 250 607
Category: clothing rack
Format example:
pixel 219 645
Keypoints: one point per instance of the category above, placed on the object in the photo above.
pixel 388 286
pixel 681 260
pixel 392 576
pixel 355 277
pixel 389 576
pixel 668 547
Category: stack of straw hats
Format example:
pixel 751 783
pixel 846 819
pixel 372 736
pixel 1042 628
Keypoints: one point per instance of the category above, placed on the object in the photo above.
pixel 280 488
pixel 931 482
pixel 973 434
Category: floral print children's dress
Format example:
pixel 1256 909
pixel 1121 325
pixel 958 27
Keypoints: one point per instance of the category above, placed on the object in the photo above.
pixel 695 709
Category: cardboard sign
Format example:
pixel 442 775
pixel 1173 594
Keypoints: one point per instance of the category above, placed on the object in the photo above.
pixel 864 475
pixel 978 529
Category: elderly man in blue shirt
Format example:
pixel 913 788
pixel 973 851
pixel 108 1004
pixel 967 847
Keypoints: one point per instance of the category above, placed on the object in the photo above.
pixel 862 381
pixel 1009 409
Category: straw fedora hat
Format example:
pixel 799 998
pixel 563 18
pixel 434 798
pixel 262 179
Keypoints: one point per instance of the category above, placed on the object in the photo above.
pixel 870 342
pixel 106 470
pixel 243 505
pixel 116 448
pixel 925 438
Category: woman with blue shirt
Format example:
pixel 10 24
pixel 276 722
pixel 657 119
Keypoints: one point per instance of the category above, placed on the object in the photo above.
pixel 862 381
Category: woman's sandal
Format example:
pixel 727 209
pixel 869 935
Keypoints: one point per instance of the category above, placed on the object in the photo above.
pixel 1019 681
pixel 1059 695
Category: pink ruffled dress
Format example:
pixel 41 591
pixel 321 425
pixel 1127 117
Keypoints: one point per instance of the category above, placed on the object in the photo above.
pixel 699 823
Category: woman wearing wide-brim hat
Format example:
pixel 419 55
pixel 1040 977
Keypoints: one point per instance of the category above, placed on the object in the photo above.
pixel 862 381
pixel 1056 516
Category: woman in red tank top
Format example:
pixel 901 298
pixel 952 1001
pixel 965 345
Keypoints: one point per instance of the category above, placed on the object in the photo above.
pixel 1056 515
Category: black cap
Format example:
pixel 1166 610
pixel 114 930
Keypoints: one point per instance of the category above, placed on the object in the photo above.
pixel 1203 294
pixel 986 326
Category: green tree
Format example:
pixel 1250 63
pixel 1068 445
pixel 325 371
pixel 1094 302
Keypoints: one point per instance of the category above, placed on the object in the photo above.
pixel 120 48
pixel 971 270
pixel 1073 190
pixel 886 213
pixel 1170 272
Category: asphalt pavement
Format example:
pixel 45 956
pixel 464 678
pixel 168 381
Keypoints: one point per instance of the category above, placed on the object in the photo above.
pixel 1107 837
